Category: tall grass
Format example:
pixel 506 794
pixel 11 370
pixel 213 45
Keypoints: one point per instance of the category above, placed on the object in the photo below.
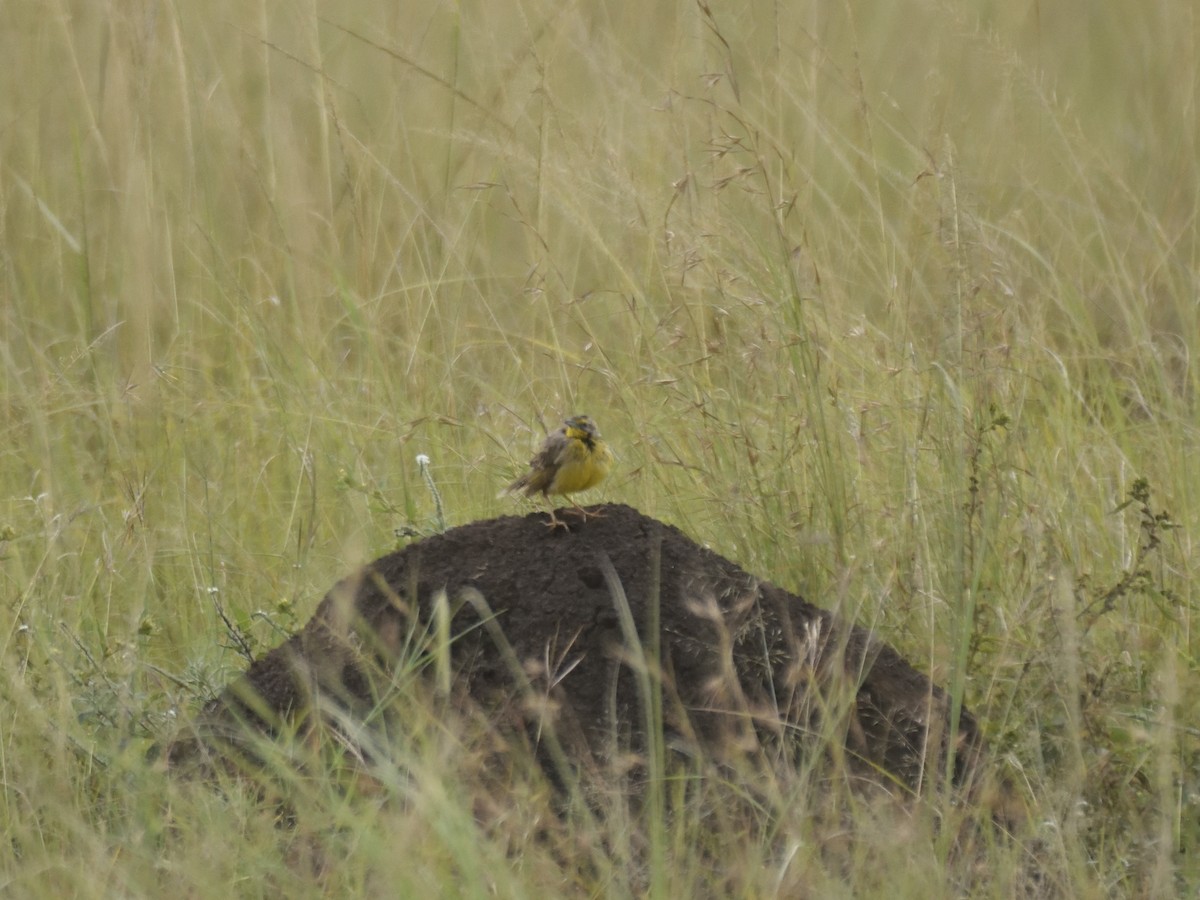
pixel 892 303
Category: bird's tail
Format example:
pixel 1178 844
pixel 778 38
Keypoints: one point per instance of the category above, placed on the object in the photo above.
pixel 517 486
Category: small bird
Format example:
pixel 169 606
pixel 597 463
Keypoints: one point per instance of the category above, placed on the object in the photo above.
pixel 573 458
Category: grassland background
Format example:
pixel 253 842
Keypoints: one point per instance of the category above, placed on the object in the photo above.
pixel 892 303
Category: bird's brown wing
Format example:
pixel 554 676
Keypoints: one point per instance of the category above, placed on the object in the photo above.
pixel 543 467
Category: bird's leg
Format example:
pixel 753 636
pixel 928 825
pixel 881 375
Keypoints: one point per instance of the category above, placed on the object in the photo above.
pixel 584 514
pixel 555 521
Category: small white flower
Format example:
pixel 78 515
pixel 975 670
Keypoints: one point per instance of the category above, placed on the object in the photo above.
pixel 422 460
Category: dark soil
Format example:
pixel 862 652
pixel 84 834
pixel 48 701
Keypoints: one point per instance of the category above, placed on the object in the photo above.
pixel 745 667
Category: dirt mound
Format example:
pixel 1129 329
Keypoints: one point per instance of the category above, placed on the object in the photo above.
pixel 742 665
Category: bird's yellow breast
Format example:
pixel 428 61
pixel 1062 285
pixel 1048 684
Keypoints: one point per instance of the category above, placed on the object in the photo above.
pixel 582 466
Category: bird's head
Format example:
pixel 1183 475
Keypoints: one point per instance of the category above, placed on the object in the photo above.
pixel 581 427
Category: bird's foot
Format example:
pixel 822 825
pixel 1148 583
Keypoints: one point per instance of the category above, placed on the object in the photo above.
pixel 555 523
